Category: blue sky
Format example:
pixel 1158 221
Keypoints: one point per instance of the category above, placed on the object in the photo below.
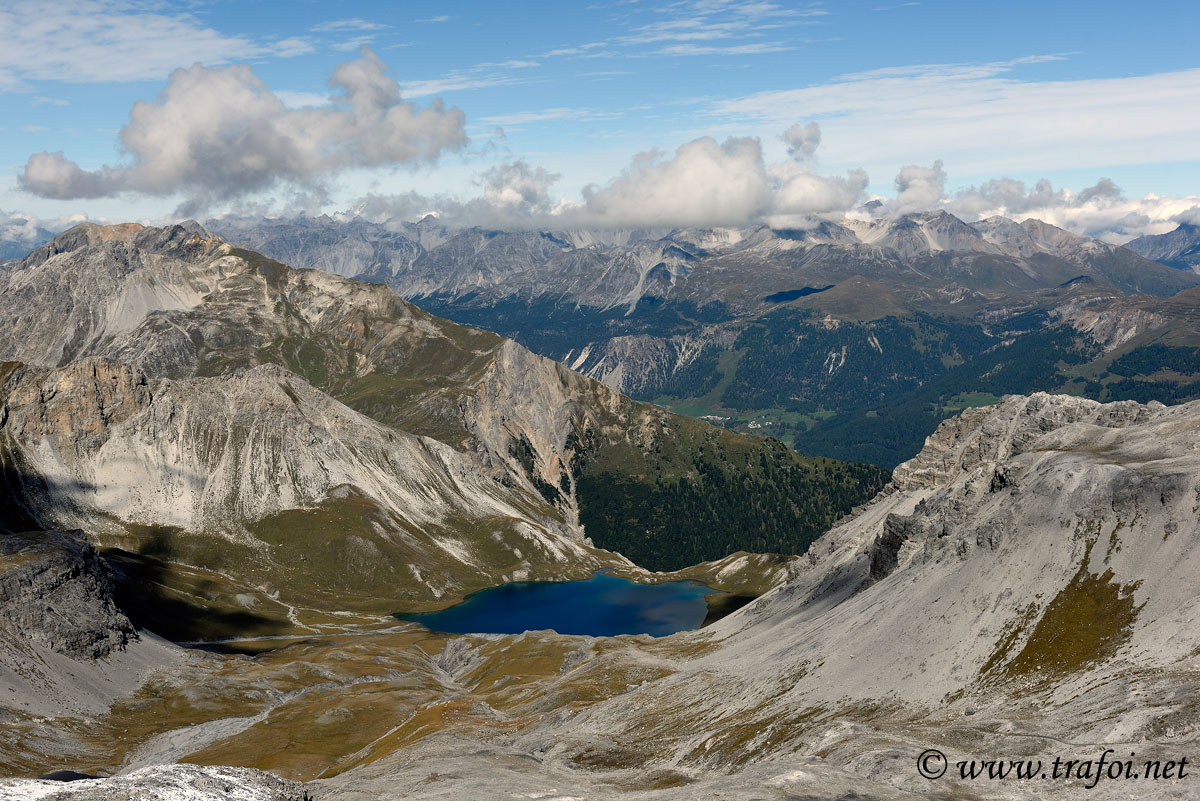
pixel 1071 92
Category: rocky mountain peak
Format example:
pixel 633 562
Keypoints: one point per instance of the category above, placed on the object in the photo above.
pixel 1179 248
pixel 995 434
pixel 187 239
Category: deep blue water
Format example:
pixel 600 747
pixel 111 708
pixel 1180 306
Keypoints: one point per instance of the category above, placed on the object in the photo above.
pixel 602 606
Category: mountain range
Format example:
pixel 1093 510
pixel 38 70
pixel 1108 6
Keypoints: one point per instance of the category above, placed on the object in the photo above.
pixel 222 475
pixel 198 407
pixel 1179 248
pixel 849 340
pixel 1018 593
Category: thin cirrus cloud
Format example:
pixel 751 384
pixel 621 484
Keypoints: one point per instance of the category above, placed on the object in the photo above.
pixel 480 76
pixel 708 20
pixel 983 120
pixel 354 43
pixel 756 48
pixel 701 28
pixel 352 24
pixel 105 40
pixel 521 118
pixel 218 134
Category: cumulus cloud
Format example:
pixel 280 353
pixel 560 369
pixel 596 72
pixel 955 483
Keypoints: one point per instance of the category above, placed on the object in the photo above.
pixel 18 227
pixel 518 187
pixel 802 140
pixel 801 196
pixel 704 183
pixel 515 195
pixel 1101 210
pixel 217 134
pixel 21 232
pixel 919 188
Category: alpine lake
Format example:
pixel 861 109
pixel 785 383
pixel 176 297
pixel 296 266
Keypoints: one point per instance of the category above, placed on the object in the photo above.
pixel 602 606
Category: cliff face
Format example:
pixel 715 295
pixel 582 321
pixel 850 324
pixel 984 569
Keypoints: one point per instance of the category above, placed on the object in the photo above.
pixel 65 647
pixel 57 594
pixel 226 456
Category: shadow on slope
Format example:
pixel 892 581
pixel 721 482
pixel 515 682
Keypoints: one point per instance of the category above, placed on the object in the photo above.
pixel 182 603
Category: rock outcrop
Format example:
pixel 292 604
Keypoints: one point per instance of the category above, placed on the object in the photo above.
pixel 162 783
pixel 65 647
pixel 57 594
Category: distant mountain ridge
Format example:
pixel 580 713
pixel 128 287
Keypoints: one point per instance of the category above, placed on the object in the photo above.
pixel 727 322
pixel 701 266
pixel 1179 248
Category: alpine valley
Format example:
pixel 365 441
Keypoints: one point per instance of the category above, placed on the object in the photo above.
pixel 223 476
pixel 850 340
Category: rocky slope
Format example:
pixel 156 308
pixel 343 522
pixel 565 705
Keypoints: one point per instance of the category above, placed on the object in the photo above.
pixel 65 648
pixel 1179 248
pixel 229 457
pixel 1023 590
pixel 177 783
pixel 206 403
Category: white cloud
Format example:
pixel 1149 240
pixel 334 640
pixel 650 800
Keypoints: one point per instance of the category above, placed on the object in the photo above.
pixel 576 50
pixel 113 40
pixel 518 189
pixel 355 43
pixel 801 196
pixel 352 24
pixel 1100 210
pixel 289 48
pixel 701 28
pixel 16 227
pixel 302 99
pixel 704 183
pixel 457 81
pixel 802 140
pixel 919 188
pixel 755 48
pixel 983 120
pixel 221 133
pixel 1191 216
pixel 709 20
pixel 433 20
pixel 20 232
pixel 515 195
pixel 548 115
